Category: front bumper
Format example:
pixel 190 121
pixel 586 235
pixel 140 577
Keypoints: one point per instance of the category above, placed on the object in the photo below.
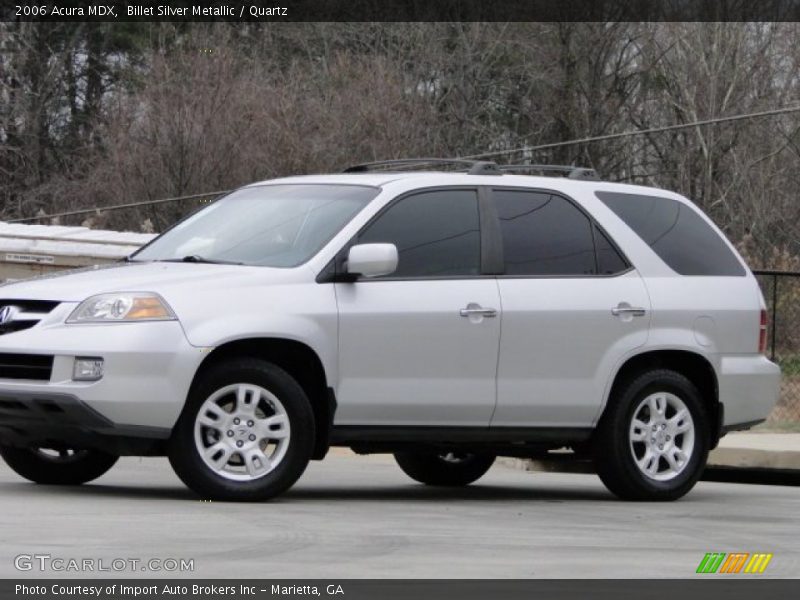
pixel 149 367
pixel 749 386
pixel 50 420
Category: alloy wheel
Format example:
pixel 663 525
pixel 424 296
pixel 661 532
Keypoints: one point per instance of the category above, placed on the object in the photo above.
pixel 242 432
pixel 661 436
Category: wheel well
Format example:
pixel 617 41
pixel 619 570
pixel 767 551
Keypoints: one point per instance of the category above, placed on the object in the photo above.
pixel 299 361
pixel 693 366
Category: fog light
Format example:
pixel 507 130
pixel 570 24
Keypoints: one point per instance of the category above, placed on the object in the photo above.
pixel 87 369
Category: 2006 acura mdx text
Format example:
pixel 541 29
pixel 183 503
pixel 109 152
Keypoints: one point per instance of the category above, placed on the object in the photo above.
pixel 448 317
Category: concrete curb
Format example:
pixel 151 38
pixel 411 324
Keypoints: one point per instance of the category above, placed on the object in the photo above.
pixel 752 458
pixel 741 457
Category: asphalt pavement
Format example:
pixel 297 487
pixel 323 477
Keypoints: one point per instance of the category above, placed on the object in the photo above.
pixel 361 517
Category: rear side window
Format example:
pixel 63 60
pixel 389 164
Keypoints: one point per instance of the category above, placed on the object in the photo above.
pixel 675 232
pixel 437 233
pixel 545 234
pixel 609 260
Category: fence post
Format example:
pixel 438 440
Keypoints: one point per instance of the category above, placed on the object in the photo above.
pixel 774 314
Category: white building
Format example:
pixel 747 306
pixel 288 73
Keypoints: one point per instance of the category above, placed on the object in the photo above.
pixel 28 250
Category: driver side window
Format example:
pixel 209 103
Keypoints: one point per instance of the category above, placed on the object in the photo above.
pixel 437 233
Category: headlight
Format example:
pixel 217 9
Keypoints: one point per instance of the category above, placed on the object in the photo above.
pixel 122 307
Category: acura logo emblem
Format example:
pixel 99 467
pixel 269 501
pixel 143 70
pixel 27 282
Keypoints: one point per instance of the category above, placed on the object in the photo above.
pixel 7 314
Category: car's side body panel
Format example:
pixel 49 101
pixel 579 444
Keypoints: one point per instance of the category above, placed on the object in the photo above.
pixel 408 357
pixel 303 312
pixel 559 342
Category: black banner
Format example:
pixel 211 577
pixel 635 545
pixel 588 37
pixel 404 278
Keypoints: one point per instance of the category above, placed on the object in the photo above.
pixel 702 588
pixel 401 10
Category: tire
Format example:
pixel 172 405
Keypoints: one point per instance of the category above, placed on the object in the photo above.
pixel 255 444
pixel 445 469
pixel 65 467
pixel 644 453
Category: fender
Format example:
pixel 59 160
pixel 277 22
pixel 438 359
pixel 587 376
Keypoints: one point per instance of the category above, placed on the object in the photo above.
pixel 319 334
pixel 681 343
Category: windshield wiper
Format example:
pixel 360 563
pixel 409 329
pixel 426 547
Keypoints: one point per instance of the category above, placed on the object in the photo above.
pixel 196 258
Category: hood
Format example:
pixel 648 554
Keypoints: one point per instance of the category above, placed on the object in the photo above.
pixel 159 277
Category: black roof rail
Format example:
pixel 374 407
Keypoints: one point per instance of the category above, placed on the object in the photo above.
pixel 571 172
pixel 472 167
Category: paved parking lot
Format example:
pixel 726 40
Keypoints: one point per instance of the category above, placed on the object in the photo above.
pixel 353 517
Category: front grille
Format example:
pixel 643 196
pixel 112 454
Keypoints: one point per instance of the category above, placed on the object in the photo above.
pixel 13 326
pixel 31 306
pixel 26 366
pixel 23 314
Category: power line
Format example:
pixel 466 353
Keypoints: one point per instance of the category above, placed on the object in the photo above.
pixel 599 138
pixel 612 136
pixel 98 209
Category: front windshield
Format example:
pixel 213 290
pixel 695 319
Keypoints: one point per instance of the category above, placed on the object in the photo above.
pixel 269 225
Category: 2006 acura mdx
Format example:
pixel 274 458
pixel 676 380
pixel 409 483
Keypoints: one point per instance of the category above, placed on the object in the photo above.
pixel 448 317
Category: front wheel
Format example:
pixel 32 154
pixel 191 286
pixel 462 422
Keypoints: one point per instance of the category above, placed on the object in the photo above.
pixel 653 441
pixel 246 433
pixel 58 466
pixel 444 469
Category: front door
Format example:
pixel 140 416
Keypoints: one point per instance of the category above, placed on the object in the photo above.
pixel 419 347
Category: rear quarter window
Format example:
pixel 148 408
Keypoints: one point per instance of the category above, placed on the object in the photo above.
pixel 676 233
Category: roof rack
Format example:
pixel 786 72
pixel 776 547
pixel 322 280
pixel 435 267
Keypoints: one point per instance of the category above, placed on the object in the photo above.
pixel 471 167
pixel 474 167
pixel 571 172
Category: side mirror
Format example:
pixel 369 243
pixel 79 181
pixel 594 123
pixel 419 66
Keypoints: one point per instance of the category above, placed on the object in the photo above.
pixel 372 260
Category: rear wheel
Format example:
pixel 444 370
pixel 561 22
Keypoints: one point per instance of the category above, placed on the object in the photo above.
pixel 444 469
pixel 247 432
pixel 653 441
pixel 61 466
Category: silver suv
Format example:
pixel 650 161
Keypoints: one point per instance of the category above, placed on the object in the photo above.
pixel 448 317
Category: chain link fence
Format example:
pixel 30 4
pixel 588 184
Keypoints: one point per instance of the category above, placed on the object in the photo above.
pixel 781 291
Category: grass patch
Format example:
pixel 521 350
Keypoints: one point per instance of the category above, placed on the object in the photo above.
pixel 790 365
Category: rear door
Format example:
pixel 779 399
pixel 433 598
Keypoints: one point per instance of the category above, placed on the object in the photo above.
pixel 573 307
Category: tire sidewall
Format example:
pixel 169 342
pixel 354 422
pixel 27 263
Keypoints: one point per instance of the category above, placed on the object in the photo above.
pixel 84 466
pixel 430 468
pixel 190 466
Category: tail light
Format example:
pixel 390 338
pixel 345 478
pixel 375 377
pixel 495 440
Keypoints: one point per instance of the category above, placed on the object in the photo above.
pixel 762 333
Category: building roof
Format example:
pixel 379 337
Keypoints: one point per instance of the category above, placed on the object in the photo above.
pixel 18 239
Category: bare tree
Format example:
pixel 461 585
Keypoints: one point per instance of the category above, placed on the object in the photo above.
pixel 93 116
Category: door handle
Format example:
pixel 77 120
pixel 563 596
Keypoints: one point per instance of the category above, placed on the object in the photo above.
pixel 625 309
pixel 477 309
